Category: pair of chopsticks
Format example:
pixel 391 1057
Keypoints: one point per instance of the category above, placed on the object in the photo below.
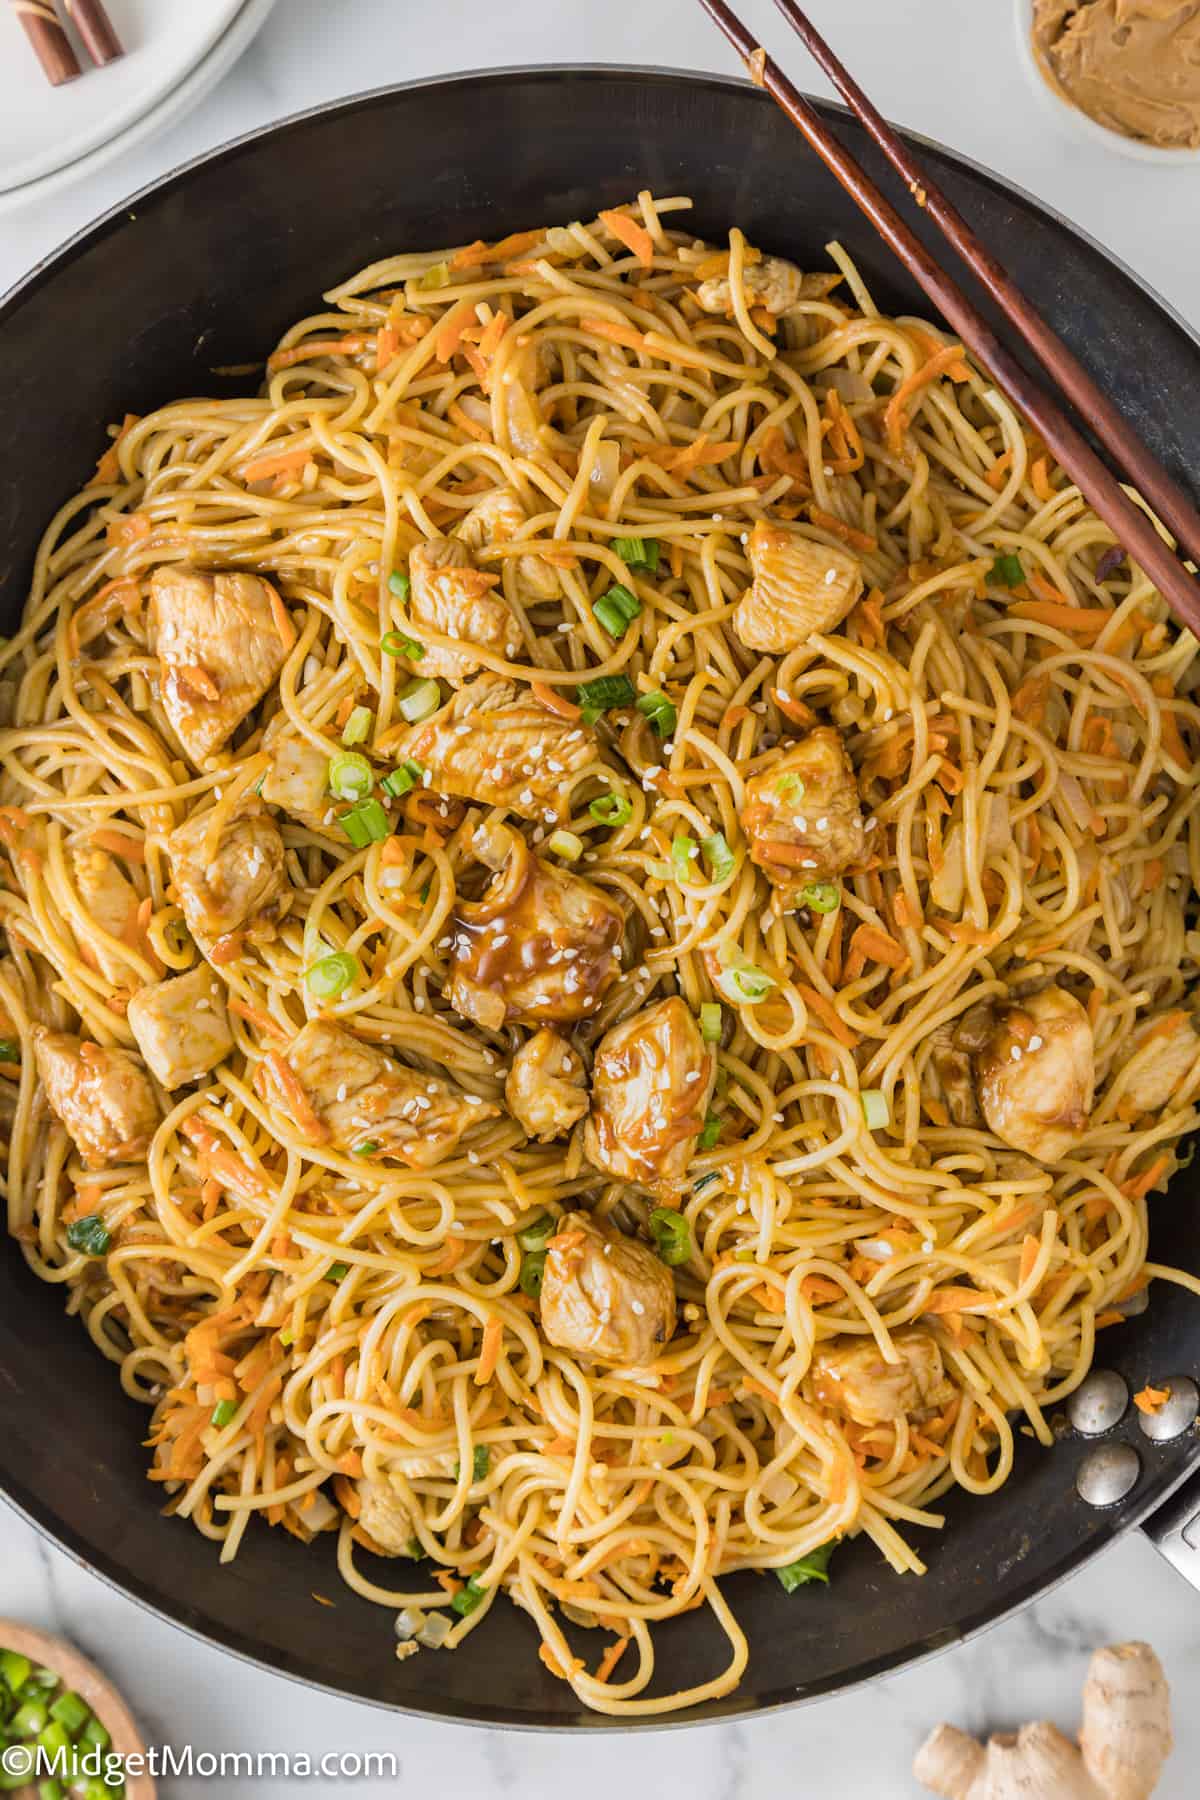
pixel 1134 530
pixel 53 47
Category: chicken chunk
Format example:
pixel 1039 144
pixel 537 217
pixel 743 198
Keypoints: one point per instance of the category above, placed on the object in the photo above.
pixel 799 587
pixel 851 1376
pixel 111 900
pixel 454 599
pixel 651 1084
pixel 605 1295
pixel 540 947
pixel 801 815
pixel 951 1060
pixel 497 519
pixel 384 1516
pixel 181 1026
pixel 237 882
pixel 546 1088
pixel 220 650
pixel 363 1097
pixel 493 745
pixel 297 777
pixel 1036 1074
pixel 1162 1054
pixel 772 282
pixel 102 1096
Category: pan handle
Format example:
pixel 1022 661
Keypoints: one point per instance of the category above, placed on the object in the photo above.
pixel 1174 1529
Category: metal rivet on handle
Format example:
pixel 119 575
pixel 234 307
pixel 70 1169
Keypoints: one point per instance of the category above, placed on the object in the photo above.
pixel 1098 1403
pixel 1107 1474
pixel 1176 1414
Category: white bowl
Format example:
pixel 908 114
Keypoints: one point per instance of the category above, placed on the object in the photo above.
pixel 1080 125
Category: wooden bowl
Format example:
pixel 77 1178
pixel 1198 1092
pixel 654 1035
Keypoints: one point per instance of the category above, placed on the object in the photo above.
pixel 91 1684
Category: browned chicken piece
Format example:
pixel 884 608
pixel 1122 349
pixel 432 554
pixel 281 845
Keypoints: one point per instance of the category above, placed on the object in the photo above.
pixel 451 597
pixel 363 1097
pixel 799 587
pixel 539 948
pixel 605 1295
pixel 384 1516
pixel 234 883
pixel 1162 1054
pixel 497 519
pixel 851 1376
pixel 951 1059
pixel 546 1090
pixel 297 777
pixel 495 745
pixel 220 650
pixel 652 1081
pixel 801 815
pixel 111 900
pixel 102 1096
pixel 773 283
pixel 1036 1074
pixel 181 1026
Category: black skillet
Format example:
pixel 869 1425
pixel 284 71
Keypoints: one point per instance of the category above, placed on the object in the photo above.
pixel 204 271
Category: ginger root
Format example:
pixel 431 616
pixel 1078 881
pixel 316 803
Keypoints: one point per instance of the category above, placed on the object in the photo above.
pixel 1124 1740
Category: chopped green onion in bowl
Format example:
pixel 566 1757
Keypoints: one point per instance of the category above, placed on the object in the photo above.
pixel 639 554
pixel 660 712
pixel 366 823
pixel 806 1569
pixel 357 728
pixel 351 776
pixel 611 809
pixel 89 1234
pixel 821 896
pixel 332 975
pixel 711 1022
pixel 876 1110
pixel 418 700
pixel 672 1235
pixel 399 584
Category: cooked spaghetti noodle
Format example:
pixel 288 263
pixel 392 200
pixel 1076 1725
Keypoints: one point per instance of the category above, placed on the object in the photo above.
pixel 940 1069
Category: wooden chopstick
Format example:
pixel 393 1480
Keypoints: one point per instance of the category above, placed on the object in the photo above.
pixel 50 42
pixel 95 29
pixel 1134 530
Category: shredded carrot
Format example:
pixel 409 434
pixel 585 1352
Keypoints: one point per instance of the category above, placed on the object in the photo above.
pixel 710 268
pixel 393 852
pixel 999 469
pixel 547 1656
pixel 129 529
pixel 757 1387
pixel 553 701
pixel 292 1089
pixel 387 345
pixel 825 1011
pixel 449 1583
pixel 473 256
pixel 616 333
pixel 734 715
pixel 681 459
pixel 1172 741
pixel 906 913
pixel 452 1255
pixel 1040 477
pixel 775 458
pixel 611 1658
pixel 1111 1317
pixel 933 346
pixel 1084 622
pixel 119 595
pixel 952 1299
pixel 450 328
pixel 350 345
pixel 1139 1185
pixel 489 1352
pixel 869 613
pixel 858 540
pixel 820 1287
pixel 1029 1255
pixel 254 1015
pixel 344 709
pixel 895 418
pixel 1151 1400
pixel 281 619
pixel 769 1298
pixel 118 843
pixel 350 1464
pixel 635 237
pixel 282 462
pixel 872 944
pixel 109 467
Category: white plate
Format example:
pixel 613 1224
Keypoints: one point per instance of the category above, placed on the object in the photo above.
pixel 181 48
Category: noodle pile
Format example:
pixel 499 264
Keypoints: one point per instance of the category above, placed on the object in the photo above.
pixel 1020 712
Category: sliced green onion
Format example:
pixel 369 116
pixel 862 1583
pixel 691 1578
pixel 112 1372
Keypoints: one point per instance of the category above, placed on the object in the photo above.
pixel 617 609
pixel 821 896
pixel 1006 571
pixel 332 975
pixel 437 275
pixel 711 1022
pixel 222 1412
pixel 398 643
pixel 660 712
pixel 19 1766
pixel 368 1147
pixel 91 1235
pixel 366 823
pixel 611 809
pixel 745 985
pixel 683 853
pixel 876 1110
pixel 31 1717
pixel 357 728
pixel 404 779
pixel 534 1236
pixel 44 1678
pixel 15 1669
pixel 10 1048
pixel 50 1789
pixel 94 1734
pixel 604 694
pixel 481 1462
pixel 710 1136
pixel 790 787
pixel 351 776
pixel 638 553
pixel 672 1235
pixel 399 584
pixel 805 1569
pixel 419 699
pixel 565 844
pixel 468 1598
pixel 706 1181
pixel 718 855
pixel 337 1271
pixel 533 1272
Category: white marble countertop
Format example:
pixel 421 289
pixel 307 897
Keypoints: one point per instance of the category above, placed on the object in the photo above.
pixel 947 68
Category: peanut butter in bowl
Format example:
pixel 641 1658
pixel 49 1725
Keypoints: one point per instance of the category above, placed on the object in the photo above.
pixel 1133 66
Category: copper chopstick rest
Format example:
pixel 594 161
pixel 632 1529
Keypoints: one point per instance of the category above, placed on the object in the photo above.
pixel 50 42
pixel 95 28
pixel 1133 528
